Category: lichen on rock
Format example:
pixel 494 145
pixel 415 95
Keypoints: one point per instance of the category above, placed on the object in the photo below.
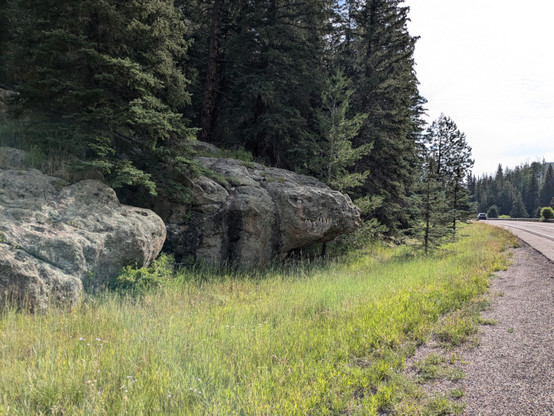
pixel 255 214
pixel 55 235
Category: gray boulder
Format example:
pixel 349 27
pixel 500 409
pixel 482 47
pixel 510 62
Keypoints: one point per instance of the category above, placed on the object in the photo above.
pixel 11 158
pixel 249 214
pixel 54 237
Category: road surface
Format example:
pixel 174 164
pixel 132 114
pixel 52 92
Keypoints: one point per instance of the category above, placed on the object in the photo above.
pixel 539 235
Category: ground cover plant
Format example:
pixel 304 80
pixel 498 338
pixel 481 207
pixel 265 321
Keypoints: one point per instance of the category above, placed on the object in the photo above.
pixel 306 340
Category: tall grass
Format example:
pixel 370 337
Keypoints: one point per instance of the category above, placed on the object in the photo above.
pixel 327 341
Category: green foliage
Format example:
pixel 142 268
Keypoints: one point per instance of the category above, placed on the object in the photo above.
pixel 272 77
pixel 531 192
pixel 297 341
pixel 336 154
pixel 35 157
pixel 366 235
pixel 380 62
pixel 518 207
pixel 138 281
pixel 440 405
pixel 547 189
pixel 492 212
pixel 238 153
pixel 433 208
pixel 448 147
pixel 532 183
pixel 102 81
pixel 109 84
pixel 547 213
pixel 456 393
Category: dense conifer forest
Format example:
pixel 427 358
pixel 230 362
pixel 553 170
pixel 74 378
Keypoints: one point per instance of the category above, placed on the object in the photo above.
pixel 322 87
pixel 520 192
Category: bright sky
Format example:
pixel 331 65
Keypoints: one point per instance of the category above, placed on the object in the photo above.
pixel 489 65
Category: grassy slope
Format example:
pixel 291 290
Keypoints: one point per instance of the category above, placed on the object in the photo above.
pixel 330 341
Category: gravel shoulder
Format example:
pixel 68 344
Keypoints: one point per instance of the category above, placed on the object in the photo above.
pixel 511 372
pixel 509 365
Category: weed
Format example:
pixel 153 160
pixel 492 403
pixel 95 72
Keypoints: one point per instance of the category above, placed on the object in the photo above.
pixel 325 338
pixel 456 393
pixel 133 281
pixel 440 405
pixel 483 321
pixel 430 367
pixel 435 366
pixel 455 329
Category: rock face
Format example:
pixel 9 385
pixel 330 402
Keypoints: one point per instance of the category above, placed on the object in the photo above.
pixel 54 237
pixel 11 158
pixel 250 214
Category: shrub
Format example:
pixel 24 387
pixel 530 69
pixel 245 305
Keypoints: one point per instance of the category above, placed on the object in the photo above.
pixel 133 281
pixel 492 212
pixel 547 213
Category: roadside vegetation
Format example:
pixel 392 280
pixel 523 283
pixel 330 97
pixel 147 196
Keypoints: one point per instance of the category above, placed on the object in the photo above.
pixel 319 339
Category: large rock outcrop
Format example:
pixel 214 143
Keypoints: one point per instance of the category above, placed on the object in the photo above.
pixel 54 237
pixel 249 214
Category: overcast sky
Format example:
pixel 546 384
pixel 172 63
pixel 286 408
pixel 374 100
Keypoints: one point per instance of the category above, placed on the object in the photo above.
pixel 489 65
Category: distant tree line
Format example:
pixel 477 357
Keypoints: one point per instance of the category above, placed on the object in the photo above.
pixel 323 87
pixel 519 192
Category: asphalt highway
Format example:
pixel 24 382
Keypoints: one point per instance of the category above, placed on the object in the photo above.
pixel 539 235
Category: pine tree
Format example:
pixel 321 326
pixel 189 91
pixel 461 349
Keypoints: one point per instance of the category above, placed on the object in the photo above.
pixel 531 191
pixel 547 189
pixel 4 39
pixel 506 198
pixel 449 148
pixel 274 77
pixel 518 207
pixel 496 186
pixel 433 206
pixel 210 22
pixel 102 80
pixel 387 91
pixel 336 151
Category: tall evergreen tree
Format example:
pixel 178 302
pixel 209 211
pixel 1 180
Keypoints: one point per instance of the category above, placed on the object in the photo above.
pixel 336 154
pixel 433 206
pixel 506 198
pixel 387 91
pixel 4 36
pixel 531 191
pixel 102 79
pixel 273 69
pixel 547 189
pixel 449 148
pixel 524 180
pixel 211 21
pixel 211 79
pixel 518 207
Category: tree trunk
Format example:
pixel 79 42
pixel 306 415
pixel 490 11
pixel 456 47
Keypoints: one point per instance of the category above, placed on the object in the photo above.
pixel 210 83
pixel 455 205
pixel 427 218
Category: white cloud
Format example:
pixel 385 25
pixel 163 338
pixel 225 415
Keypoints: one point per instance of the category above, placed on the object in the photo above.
pixel 489 65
